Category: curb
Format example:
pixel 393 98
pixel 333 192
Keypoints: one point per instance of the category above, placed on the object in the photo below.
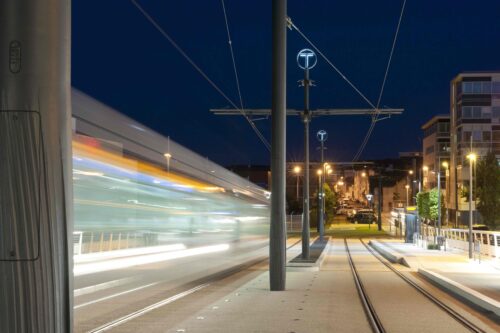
pixel 309 267
pixel 380 248
pixel 469 294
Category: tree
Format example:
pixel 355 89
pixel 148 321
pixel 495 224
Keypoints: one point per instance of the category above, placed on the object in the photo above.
pixel 423 205
pixel 433 204
pixel 488 190
pixel 331 201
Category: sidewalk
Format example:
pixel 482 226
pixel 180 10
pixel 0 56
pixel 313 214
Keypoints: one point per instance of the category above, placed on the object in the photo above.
pixel 479 283
pixel 320 301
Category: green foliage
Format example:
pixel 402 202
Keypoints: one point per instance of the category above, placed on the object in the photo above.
pixel 331 202
pixel 488 190
pixel 427 203
pixel 423 205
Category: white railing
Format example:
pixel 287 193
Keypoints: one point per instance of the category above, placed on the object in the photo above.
pixel 77 242
pixel 294 223
pixel 459 239
pixel 487 243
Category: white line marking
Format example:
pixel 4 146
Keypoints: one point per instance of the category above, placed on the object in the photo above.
pixel 101 286
pixel 114 295
pixel 147 309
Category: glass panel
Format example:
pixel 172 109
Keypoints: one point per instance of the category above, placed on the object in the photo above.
pixel 476 87
pixel 467 112
pixel 486 136
pixel 495 112
pixel 476 112
pixel 467 87
pixel 496 87
pixel 486 87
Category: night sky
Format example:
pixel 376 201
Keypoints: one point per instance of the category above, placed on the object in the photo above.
pixel 119 58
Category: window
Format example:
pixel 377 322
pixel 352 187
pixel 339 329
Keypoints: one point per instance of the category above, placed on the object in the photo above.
pixel 444 127
pixel 476 87
pixel 467 112
pixel 487 136
pixel 467 136
pixel 477 136
pixel 476 112
pixel 486 87
pixel 495 111
pixel 495 87
pixel 467 87
pixel 429 150
pixel 443 147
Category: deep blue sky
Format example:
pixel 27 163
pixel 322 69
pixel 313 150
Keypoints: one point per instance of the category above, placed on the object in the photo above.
pixel 119 58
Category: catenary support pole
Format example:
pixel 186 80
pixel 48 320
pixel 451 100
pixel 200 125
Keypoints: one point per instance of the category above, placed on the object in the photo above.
pixel 380 194
pixel 35 167
pixel 439 199
pixel 471 216
pixel 306 118
pixel 321 195
pixel 277 246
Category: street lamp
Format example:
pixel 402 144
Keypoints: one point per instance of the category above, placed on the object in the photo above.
pixel 407 187
pixel 168 156
pixel 472 159
pixel 363 174
pixel 297 170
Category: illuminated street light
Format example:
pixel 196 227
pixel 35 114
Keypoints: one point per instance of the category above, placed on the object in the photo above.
pixel 329 171
pixel 319 172
pixel 410 172
pixel 472 158
pixel 425 168
pixel 445 165
pixel 297 170
pixel 168 156
pixel 363 174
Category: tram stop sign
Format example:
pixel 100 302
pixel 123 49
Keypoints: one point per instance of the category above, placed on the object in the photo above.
pixel 306 59
pixel 322 135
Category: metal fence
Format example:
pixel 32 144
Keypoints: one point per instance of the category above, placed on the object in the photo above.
pixel 294 223
pixel 91 242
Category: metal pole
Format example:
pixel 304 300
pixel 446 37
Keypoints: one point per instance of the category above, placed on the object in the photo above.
pixel 277 237
pixel 321 227
pixel 297 187
pixel 470 208
pixel 439 201
pixel 380 191
pixel 306 118
pixel 36 256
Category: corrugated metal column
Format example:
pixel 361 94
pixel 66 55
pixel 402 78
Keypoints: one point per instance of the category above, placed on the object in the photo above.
pixel 277 246
pixel 35 168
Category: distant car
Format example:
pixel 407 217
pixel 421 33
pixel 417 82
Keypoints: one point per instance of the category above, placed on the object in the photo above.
pixel 480 227
pixel 364 218
pixel 344 210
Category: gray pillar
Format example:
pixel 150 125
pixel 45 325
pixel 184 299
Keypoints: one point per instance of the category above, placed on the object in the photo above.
pixel 306 118
pixel 277 246
pixel 35 169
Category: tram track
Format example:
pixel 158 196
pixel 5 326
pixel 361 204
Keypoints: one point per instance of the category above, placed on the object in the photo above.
pixel 370 309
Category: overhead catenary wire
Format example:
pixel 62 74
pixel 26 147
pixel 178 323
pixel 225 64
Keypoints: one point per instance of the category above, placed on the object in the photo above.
pixel 242 109
pixel 377 111
pixel 198 69
pixel 293 25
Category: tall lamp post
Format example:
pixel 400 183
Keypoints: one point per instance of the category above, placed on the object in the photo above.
pixel 407 187
pixel 297 170
pixel 472 160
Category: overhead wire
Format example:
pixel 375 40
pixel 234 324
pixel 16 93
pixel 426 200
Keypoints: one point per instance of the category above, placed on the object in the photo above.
pixel 241 109
pixel 377 110
pixel 198 69
pixel 329 62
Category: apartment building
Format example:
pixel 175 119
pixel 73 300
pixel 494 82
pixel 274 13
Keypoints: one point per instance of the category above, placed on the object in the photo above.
pixel 474 127
pixel 435 150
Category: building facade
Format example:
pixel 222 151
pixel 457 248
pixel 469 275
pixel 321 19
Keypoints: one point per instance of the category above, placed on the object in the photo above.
pixel 435 150
pixel 474 127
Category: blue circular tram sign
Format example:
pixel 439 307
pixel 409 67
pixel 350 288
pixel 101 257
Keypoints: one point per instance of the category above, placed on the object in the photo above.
pixel 306 59
pixel 322 135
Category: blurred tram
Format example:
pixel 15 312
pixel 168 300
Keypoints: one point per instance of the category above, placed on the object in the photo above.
pixel 134 188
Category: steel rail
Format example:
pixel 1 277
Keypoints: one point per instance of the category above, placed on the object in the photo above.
pixel 454 314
